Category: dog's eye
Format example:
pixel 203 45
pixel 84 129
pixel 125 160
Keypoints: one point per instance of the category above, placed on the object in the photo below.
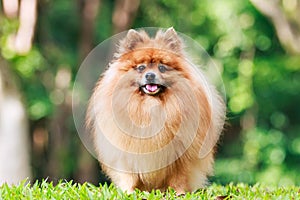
pixel 141 68
pixel 162 68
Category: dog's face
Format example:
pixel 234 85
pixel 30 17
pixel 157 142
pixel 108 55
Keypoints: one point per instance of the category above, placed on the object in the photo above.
pixel 152 72
pixel 151 77
pixel 152 66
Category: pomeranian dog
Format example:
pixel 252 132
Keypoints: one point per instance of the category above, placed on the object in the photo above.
pixel 154 118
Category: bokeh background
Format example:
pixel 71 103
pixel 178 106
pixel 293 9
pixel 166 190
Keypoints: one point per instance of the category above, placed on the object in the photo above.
pixel 256 45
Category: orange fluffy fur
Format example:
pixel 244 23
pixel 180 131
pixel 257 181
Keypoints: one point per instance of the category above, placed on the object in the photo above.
pixel 188 114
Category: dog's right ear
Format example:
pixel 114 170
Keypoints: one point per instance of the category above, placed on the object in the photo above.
pixel 132 39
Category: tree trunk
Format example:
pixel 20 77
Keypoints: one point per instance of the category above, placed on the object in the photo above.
pixel 89 11
pixel 87 165
pixel 287 28
pixel 14 143
pixel 124 14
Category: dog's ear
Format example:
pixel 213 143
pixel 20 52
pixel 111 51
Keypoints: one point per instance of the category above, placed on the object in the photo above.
pixel 132 39
pixel 170 39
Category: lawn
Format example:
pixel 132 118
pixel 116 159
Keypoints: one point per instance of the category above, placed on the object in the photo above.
pixel 69 190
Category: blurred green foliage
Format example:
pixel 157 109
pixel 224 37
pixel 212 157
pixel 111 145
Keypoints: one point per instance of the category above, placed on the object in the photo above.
pixel 262 81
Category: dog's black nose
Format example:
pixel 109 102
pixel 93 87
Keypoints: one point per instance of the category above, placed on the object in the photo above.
pixel 150 76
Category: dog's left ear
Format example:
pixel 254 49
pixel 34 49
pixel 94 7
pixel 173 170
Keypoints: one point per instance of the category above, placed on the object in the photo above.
pixel 170 38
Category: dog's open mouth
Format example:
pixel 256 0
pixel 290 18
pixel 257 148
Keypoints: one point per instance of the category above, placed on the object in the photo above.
pixel 152 89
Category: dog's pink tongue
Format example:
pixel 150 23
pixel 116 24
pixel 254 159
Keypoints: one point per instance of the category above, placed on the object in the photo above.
pixel 151 88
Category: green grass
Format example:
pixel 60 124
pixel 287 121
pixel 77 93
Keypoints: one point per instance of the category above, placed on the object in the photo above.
pixel 69 190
